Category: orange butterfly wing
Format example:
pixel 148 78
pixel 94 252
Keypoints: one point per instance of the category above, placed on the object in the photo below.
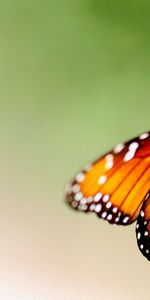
pixel 114 186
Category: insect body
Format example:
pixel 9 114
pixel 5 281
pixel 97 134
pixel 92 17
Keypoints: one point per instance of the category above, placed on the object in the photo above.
pixel 116 187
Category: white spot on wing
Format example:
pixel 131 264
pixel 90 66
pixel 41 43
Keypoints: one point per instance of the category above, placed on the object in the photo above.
pixel 109 204
pixel 109 165
pixel 80 177
pixel 142 213
pixel 78 196
pixel 82 207
pixel 125 220
pixel 115 209
pixel 98 208
pixel 89 199
pixel 133 146
pixel 129 155
pixel 109 161
pixel 76 188
pixel 118 148
pixel 97 197
pixel 92 207
pixel 109 157
pixel 117 219
pixel 87 168
pixel 102 179
pixel 138 235
pixel 132 149
pixel 144 136
pixel 83 201
pixel 109 217
pixel 106 198
pixel 104 214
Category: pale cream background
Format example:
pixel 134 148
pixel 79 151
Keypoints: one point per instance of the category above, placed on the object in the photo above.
pixel 74 81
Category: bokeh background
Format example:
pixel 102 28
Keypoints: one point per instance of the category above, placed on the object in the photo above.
pixel 74 81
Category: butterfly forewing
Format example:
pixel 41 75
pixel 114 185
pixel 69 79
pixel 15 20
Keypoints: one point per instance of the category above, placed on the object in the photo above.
pixel 115 185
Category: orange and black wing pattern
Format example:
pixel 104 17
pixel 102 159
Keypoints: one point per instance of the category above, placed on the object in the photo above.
pixel 114 186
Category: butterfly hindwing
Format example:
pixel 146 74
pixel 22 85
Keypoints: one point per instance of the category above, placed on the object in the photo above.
pixel 143 228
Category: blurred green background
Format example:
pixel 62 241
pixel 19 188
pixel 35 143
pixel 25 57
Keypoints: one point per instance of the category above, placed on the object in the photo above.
pixel 74 81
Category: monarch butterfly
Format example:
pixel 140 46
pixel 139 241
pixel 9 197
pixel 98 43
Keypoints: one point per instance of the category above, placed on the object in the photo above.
pixel 117 188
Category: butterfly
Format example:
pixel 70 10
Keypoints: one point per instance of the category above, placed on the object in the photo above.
pixel 116 187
